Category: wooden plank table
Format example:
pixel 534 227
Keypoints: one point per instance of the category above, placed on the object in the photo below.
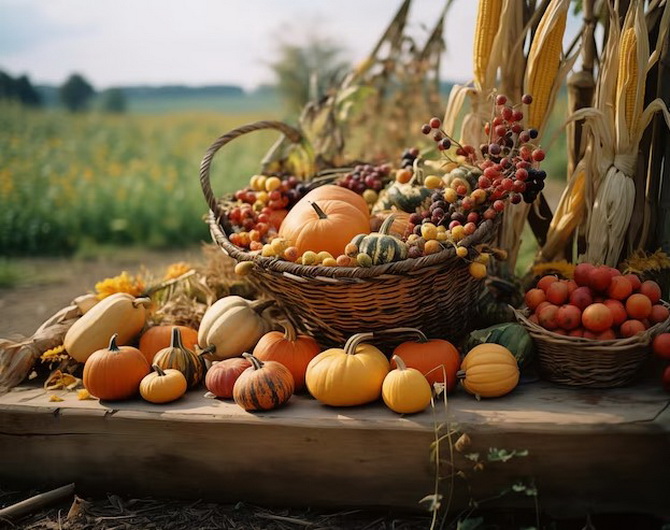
pixel 588 451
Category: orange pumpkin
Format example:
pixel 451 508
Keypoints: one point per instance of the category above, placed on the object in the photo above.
pixel 157 338
pixel 290 349
pixel 263 386
pixel 429 357
pixel 115 373
pixel 400 222
pixel 338 193
pixel 329 226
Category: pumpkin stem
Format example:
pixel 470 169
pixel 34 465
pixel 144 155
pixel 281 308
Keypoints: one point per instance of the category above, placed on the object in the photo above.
pixel 176 339
pixel 112 343
pixel 158 370
pixel 403 331
pixel 290 333
pixel 353 342
pixel 261 305
pixel 386 225
pixel 146 302
pixel 318 210
pixel 399 362
pixel 209 349
pixel 256 363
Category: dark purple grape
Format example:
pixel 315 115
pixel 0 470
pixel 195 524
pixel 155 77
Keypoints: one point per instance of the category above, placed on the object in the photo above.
pixel 417 230
pixel 378 185
pixel 415 218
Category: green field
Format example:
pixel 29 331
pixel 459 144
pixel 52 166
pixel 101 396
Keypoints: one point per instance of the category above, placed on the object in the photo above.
pixel 69 183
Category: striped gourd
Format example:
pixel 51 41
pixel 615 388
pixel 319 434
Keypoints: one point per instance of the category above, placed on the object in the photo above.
pixel 381 246
pixel 488 21
pixel 407 197
pixel 544 59
pixel 177 357
pixel 627 73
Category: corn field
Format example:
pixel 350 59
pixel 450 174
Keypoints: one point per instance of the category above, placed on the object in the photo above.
pixel 70 182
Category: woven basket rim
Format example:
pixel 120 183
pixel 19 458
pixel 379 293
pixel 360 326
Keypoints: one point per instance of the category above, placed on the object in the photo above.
pixel 606 346
pixel 406 266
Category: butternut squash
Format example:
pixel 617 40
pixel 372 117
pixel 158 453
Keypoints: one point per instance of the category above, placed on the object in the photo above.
pixel 120 314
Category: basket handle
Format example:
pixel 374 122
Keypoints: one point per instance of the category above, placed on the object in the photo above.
pixel 205 183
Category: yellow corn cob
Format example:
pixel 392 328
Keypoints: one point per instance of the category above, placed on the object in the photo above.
pixel 488 20
pixel 627 73
pixel 546 57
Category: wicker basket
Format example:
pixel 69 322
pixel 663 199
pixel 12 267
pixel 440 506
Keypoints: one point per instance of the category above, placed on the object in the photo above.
pixel 590 363
pixel 434 293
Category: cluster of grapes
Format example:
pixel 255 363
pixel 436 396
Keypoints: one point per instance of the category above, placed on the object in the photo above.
pixel 506 163
pixel 408 157
pixel 262 206
pixel 366 177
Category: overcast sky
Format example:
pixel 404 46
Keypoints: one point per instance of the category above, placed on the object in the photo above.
pixel 197 42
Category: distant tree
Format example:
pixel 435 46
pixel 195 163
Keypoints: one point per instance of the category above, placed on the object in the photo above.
pixel 307 71
pixel 26 92
pixel 7 86
pixel 113 100
pixel 76 93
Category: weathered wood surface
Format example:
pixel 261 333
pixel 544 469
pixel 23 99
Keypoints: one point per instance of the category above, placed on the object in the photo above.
pixel 605 451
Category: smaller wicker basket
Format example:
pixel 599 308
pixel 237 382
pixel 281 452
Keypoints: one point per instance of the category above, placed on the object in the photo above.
pixel 590 363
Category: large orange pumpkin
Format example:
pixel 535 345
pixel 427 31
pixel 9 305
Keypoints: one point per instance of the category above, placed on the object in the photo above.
pixel 429 357
pixel 159 337
pixel 328 225
pixel 115 373
pixel 290 349
pixel 332 192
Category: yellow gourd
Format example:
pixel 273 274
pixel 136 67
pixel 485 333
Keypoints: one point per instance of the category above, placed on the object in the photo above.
pixel 163 386
pixel 120 313
pixel 232 326
pixel 489 370
pixel 349 376
pixel 405 390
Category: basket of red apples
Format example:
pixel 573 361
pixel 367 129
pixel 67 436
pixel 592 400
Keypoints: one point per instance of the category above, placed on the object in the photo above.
pixel 596 329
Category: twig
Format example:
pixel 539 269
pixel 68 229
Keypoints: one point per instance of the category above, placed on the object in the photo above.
pixel 37 502
pixel 282 518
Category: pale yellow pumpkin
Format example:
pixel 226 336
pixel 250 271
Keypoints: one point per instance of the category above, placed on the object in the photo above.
pixel 120 313
pixel 349 376
pixel 163 386
pixel 405 390
pixel 489 370
pixel 232 326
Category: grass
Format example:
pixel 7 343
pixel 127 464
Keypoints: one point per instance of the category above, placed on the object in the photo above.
pixel 69 183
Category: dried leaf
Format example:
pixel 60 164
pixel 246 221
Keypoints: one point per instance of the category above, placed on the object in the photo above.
pixel 434 501
pixel 54 397
pixel 84 394
pixel 463 443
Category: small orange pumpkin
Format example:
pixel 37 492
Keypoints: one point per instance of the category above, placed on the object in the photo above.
pixel 115 373
pixel 263 386
pixel 429 357
pixel 156 338
pixel 292 350
pixel 328 225
pixel 400 221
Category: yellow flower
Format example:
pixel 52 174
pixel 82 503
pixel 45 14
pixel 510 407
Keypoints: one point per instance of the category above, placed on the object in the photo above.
pixel 54 354
pixel 175 270
pixel 123 283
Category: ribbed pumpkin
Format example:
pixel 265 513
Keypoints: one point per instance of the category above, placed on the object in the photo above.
pixel 406 197
pixel 381 246
pixel 263 386
pixel 120 313
pixel 332 192
pixel 328 225
pixel 163 386
pixel 348 376
pixel 489 370
pixel 156 338
pixel 115 372
pixel 232 326
pixel 405 390
pixel 177 357
pixel 221 377
pixel 429 357
pixel 292 350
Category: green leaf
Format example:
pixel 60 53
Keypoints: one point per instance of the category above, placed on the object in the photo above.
pixel 470 523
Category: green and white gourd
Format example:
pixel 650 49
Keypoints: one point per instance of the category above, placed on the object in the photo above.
pixel 382 247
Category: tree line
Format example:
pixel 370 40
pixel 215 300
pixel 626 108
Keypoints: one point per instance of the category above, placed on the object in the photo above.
pixel 75 94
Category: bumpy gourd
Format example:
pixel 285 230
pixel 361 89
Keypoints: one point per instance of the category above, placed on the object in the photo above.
pixel 381 246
